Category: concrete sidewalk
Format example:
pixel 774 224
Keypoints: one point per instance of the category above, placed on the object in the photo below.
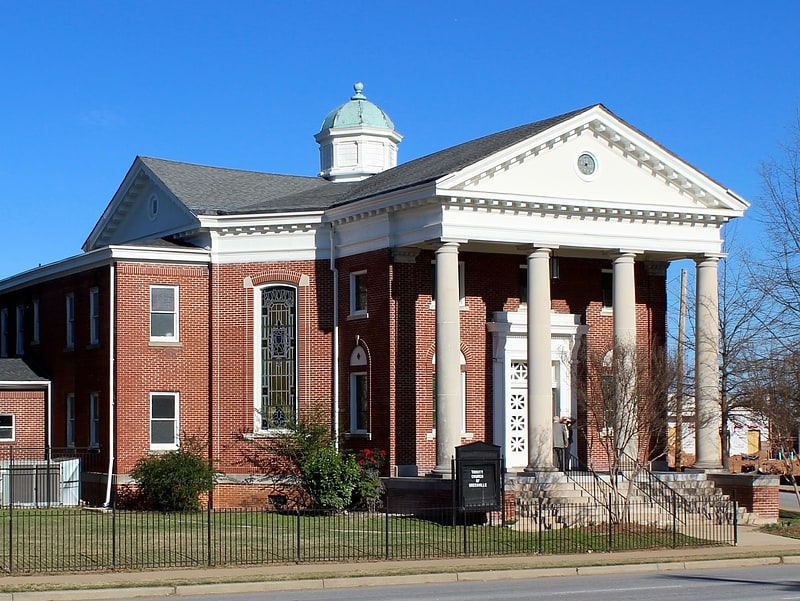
pixel 754 548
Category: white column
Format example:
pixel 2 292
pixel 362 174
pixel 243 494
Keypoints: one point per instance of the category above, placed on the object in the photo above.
pixel 448 354
pixel 624 300
pixel 707 444
pixel 540 390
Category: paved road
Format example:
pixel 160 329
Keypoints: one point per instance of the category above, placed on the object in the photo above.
pixel 788 500
pixel 769 583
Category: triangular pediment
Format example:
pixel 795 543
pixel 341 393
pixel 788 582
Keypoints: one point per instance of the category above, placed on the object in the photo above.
pixel 625 171
pixel 143 209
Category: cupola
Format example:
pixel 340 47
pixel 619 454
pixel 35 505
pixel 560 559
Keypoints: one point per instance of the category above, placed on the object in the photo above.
pixel 356 140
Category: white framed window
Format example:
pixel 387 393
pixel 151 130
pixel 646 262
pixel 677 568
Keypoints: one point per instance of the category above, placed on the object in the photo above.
pixel 358 293
pixel 94 316
pixel 276 349
pixel 359 403
pixel 69 303
pixel 164 317
pixel 7 427
pixel 462 298
pixel 20 340
pixel 164 420
pixel 94 420
pixel 35 333
pixel 3 332
pixel 359 392
pixel 70 420
pixel 607 290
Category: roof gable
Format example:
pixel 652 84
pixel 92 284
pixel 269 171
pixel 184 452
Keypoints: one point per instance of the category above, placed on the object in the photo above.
pixel 631 170
pixel 160 198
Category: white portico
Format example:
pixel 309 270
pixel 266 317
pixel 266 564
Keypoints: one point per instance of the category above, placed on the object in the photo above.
pixel 586 186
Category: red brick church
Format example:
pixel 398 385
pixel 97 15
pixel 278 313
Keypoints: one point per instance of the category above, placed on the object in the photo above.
pixel 419 306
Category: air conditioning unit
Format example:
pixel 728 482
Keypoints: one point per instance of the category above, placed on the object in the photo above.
pixel 40 483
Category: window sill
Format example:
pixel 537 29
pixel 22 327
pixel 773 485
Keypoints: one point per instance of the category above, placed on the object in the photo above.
pixel 464 435
pixel 607 311
pixel 263 434
pixel 362 435
pixel 358 315
pixel 166 343
pixel 462 306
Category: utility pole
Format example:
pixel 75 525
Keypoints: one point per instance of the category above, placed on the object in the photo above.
pixel 678 444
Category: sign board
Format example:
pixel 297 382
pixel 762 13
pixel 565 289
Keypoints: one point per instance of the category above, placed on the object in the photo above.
pixel 479 476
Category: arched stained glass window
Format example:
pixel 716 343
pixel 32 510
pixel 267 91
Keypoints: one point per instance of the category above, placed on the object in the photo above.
pixel 278 356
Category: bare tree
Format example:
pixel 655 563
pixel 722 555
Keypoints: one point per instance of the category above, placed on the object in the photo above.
pixel 775 392
pixel 743 334
pixel 779 212
pixel 626 401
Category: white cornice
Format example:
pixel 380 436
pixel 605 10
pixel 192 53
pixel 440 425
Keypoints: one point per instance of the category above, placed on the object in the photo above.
pixel 104 256
pixel 571 208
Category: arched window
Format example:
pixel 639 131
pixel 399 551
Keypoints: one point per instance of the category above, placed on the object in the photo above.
pixel 463 363
pixel 277 406
pixel 359 392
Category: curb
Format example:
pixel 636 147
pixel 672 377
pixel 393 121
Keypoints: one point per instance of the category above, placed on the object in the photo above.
pixel 371 581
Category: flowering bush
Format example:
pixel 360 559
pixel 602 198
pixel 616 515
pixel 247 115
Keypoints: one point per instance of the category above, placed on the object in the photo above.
pixel 369 489
pixel 371 459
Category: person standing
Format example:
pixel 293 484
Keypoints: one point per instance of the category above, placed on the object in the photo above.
pixel 560 442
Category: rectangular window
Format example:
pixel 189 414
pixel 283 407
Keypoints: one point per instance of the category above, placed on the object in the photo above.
pixel 35 336
pixel 94 420
pixel 94 316
pixel 607 288
pixel 7 427
pixel 359 403
pixel 164 429
pixel 164 313
pixel 463 401
pixel 462 299
pixel 70 420
pixel 20 348
pixel 4 332
pixel 70 320
pixel 358 293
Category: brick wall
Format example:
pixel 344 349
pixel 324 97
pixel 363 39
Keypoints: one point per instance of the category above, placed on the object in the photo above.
pixel 29 408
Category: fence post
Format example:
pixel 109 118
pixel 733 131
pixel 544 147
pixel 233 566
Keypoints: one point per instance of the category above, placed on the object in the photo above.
pixel 10 511
pixel 113 530
pixel 674 519
pixel 610 522
pixel 297 539
pixel 735 519
pixel 386 526
pixel 210 557
pixel 539 521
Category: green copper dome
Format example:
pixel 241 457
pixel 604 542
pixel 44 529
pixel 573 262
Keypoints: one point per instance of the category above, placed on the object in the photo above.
pixel 357 112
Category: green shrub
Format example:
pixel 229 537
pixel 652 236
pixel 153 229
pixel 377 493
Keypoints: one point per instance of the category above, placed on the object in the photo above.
pixel 173 481
pixel 330 477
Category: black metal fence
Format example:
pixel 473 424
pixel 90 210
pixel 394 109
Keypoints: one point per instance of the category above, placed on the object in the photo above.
pixel 82 539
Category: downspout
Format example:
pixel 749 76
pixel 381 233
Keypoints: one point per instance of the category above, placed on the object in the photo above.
pixel 335 273
pixel 111 385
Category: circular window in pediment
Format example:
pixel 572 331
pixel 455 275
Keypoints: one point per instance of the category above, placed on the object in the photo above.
pixel 587 164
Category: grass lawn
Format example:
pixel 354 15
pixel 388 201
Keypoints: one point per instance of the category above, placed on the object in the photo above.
pixel 59 539
pixel 788 524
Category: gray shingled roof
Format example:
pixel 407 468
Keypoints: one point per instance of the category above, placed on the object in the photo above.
pixel 215 190
pixel 450 160
pixel 14 369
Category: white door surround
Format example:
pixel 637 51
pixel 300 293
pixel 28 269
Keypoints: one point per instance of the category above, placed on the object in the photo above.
pixel 510 373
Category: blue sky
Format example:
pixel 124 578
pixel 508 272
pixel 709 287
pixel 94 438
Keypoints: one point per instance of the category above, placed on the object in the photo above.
pixel 87 86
